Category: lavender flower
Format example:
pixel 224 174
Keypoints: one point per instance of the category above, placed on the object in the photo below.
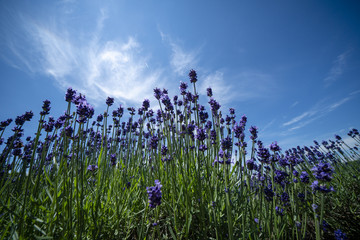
pixel 46 108
pixel 321 187
pixel 253 131
pixel 323 171
pixel 92 168
pixel 28 115
pixel 146 104
pixel 84 111
pixel 314 207
pixel 157 93
pixel 280 177
pixel 100 118
pixel 279 211
pixel 164 150
pixel 70 95
pixel 193 76
pixel 209 92
pixel 5 123
pixel 275 147
pixel 215 106
pixel 154 194
pixel 269 193
pixel 153 142
pixel 200 134
pixel 109 101
pixel 183 87
pixel 263 153
pixel 250 164
pixel 339 235
pixel 285 198
pixel 226 143
pixel 304 177
pixel 337 137
pixel 69 131
pixel 202 148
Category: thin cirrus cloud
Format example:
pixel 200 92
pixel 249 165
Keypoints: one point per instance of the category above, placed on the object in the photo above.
pixel 96 68
pixel 319 110
pixel 100 67
pixel 181 60
pixel 337 69
pixel 240 87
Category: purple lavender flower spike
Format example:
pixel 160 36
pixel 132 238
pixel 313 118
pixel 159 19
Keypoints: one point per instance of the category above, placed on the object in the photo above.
pixel 193 76
pixel 154 194
pixel 109 101
pixel 209 92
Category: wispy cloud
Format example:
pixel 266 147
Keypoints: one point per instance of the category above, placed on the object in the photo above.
pixel 299 118
pixel 294 104
pixel 267 126
pixel 98 68
pixel 338 104
pixel 221 90
pixel 319 110
pixel 337 69
pixel 254 84
pixel 181 60
pixel 238 88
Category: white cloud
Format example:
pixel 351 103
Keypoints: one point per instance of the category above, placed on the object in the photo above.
pixel 355 92
pixel 221 90
pixel 317 111
pixel 299 118
pixel 248 85
pixel 294 104
pixel 338 104
pixel 238 88
pixel 94 67
pixel 337 69
pixel 181 60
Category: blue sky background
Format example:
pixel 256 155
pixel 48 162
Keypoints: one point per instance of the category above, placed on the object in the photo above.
pixel 291 66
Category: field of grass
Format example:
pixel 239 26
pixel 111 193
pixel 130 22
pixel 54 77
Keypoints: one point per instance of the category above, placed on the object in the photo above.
pixel 180 172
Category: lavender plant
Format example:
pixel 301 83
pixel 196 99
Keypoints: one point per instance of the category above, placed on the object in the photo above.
pixel 85 178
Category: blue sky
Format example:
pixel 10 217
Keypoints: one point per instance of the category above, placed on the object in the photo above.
pixel 292 67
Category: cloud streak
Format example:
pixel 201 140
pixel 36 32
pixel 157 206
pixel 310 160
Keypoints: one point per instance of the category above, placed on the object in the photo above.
pixel 337 69
pixel 181 60
pixel 96 68
pixel 319 110
pixel 241 87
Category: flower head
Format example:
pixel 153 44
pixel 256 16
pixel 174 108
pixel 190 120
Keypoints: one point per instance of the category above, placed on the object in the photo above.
pixel 158 93
pixel 46 108
pixel 226 143
pixel 154 194
pixel 200 134
pixel 92 168
pixel 146 104
pixel 304 177
pixel 209 92
pixel 323 171
pixel 253 131
pixel 193 76
pixel 339 235
pixel 183 87
pixel 109 101
pixel 70 95
pixel 275 147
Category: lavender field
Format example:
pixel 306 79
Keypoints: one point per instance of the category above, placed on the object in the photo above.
pixel 175 170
